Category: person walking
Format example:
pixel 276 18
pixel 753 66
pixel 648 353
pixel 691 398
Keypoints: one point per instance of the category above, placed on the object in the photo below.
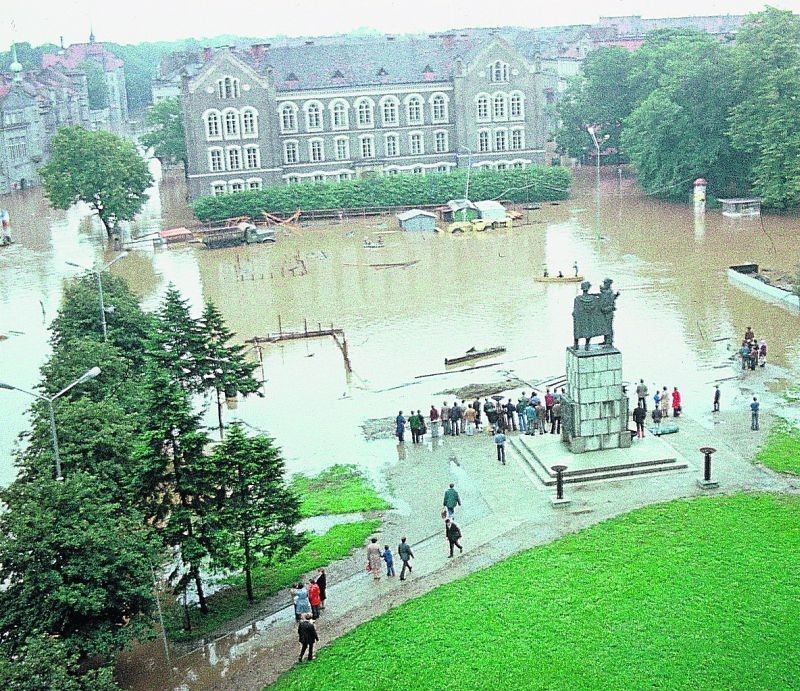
pixel 453 535
pixel 664 402
pixel 433 414
pixel 639 416
pixel 500 442
pixel 405 553
pixel 451 500
pixel 469 415
pixel 754 408
pixel 716 399
pixel 555 426
pixel 444 414
pixel 656 414
pixel 374 558
pixel 400 426
pixel 314 598
pixel 676 402
pixel 322 584
pixel 641 394
pixel 301 604
pixel 386 555
pixel 307 635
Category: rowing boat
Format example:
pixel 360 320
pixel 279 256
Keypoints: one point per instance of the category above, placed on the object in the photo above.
pixel 558 279
pixel 473 354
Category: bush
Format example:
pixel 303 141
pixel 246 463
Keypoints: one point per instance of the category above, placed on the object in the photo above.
pixel 537 183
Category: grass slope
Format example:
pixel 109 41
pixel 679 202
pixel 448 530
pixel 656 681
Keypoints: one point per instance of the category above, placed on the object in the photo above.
pixel 340 489
pixel 701 594
pixel 227 604
pixel 782 450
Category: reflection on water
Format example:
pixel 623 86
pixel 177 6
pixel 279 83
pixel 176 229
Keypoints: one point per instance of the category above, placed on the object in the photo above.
pixel 473 290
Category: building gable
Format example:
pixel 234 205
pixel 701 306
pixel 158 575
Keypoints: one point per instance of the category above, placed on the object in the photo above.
pixel 221 65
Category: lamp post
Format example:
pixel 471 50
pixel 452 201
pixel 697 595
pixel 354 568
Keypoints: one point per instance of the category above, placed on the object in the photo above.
pixel 593 132
pixel 86 376
pixel 97 273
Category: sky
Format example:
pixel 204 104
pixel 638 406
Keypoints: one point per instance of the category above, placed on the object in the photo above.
pixel 134 21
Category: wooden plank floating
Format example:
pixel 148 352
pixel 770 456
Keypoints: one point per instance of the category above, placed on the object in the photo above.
pixel 473 354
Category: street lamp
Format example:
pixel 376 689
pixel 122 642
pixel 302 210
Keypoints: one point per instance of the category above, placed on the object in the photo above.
pixel 86 376
pixel 593 132
pixel 97 273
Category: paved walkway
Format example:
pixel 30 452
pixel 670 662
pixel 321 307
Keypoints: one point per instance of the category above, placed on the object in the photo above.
pixel 505 511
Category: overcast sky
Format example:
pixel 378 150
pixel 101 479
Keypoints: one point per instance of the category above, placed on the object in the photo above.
pixel 132 21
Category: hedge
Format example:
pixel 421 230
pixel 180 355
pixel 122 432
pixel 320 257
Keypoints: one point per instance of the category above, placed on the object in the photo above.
pixel 537 183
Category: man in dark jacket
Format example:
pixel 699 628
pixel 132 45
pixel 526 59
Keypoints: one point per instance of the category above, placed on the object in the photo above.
pixel 405 553
pixel 307 633
pixel 639 416
pixel 453 535
pixel 451 500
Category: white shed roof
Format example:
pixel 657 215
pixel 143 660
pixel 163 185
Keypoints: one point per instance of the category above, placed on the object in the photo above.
pixel 412 213
pixel 490 206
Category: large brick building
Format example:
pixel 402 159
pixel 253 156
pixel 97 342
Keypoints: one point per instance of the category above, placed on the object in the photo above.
pixel 332 111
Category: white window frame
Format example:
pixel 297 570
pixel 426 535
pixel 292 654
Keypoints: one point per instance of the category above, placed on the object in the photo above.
pixel 232 115
pixel 393 138
pixel 292 180
pixel 254 113
pixel 488 116
pixel 501 98
pixel 223 87
pixel 207 122
pixel 311 143
pixel 345 124
pixel 237 181
pixel 238 150
pixel 370 111
pixel 283 109
pixel 437 149
pixel 307 108
pixel 219 183
pixel 418 100
pixel 395 103
pixel 499 71
pixel 445 107
pixel 521 97
pixel 296 146
pixel 488 141
pixel 252 148
pixel 216 150
pixel 254 183
pixel 520 133
pixel 337 142
pixel 361 141
pixel 504 132
pixel 411 140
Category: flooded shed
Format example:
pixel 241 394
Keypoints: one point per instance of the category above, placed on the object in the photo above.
pixel 417 219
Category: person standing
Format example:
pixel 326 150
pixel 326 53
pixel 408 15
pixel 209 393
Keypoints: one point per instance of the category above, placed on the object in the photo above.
pixel 639 416
pixel 322 584
pixel 415 424
pixel 657 421
pixel 744 352
pixel 476 406
pixel 462 420
pixel 656 399
pixel 400 426
pixel 522 421
pixel 301 604
pixel 676 402
pixel 762 353
pixel 404 550
pixel 451 500
pixel 374 558
pixel 541 414
pixel 469 415
pixel 314 598
pixel 455 417
pixel 555 427
pixel 453 535
pixel 445 416
pixel 307 634
pixel 434 416
pixel 511 409
pixel 753 356
pixel 500 442
pixel 716 399
pixel 748 334
pixel 386 555
pixel 664 402
pixel 754 408
pixel 549 402
pixel 641 394
pixel 530 417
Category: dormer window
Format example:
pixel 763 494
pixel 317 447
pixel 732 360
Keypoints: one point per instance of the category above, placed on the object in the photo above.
pixel 382 72
pixel 499 71
pixel 337 75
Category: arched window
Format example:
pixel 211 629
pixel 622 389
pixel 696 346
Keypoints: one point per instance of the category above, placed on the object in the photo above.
pixel 250 122
pixel 482 107
pixel 364 108
pixel 414 110
pixel 228 87
pixel 389 110
pixel 516 107
pixel 213 125
pixel 313 116
pixel 439 108
pixel 499 107
pixel 339 115
pixel 231 124
pixel 500 71
pixel 288 117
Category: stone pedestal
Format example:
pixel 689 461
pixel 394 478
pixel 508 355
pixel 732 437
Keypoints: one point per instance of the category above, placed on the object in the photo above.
pixel 595 412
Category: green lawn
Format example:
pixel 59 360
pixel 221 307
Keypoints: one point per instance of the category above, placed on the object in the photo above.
pixel 782 450
pixel 692 594
pixel 340 489
pixel 227 604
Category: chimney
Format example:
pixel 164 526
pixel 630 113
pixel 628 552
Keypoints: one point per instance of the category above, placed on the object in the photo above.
pixel 258 49
pixel 427 73
pixel 207 54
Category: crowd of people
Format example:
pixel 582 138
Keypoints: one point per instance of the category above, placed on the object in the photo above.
pixel 752 352
pixel 308 601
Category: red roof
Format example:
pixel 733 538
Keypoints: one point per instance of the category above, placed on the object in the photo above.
pixel 72 57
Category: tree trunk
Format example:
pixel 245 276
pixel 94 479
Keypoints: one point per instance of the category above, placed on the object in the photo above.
pixel 248 578
pixel 219 416
pixel 201 597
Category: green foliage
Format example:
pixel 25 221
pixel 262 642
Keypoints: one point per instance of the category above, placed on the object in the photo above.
pixel 98 168
pixel 700 593
pixel 781 451
pixel 29 57
pixel 95 83
pixel 232 602
pixel 339 489
pixel 166 137
pixel 74 566
pixel 763 122
pixel 534 183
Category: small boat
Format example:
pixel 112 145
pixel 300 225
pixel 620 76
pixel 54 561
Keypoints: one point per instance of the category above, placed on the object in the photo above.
pixel 559 279
pixel 373 244
pixel 473 354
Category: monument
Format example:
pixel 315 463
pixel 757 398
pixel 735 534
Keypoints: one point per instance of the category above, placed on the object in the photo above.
pixel 595 410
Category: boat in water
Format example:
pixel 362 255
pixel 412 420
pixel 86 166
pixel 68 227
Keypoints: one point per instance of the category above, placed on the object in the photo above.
pixel 474 354
pixel 559 279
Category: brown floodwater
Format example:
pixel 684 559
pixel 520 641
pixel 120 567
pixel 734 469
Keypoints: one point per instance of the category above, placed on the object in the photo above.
pixel 675 311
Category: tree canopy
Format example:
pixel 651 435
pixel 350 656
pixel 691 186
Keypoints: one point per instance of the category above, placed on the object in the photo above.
pixel 166 138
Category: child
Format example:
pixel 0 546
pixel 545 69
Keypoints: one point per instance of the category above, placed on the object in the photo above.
pixel 389 559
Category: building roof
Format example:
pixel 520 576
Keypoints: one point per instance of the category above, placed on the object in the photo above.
pixel 413 213
pixel 459 204
pixel 77 53
pixel 489 205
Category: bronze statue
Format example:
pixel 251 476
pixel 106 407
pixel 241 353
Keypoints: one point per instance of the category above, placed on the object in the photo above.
pixel 593 314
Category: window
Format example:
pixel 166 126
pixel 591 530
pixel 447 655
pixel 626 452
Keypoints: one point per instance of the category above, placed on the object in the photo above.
pixel 237 186
pixel 499 71
pixel 228 88
pixel 316 150
pixel 441 169
pixel 17 148
pixel 213 130
pixel 343 176
pixel 215 160
pixel 439 108
pixel 499 106
pixel 500 140
pixel 482 107
pixel 249 126
pixel 313 116
pixel 231 123
pixel 418 170
pixel 391 171
pixel 483 141
pixel 517 139
pixel 516 106
pixel 13 117
pixel 254 184
pixel 440 142
pixel 517 165
pixel 319 177
pixel 501 166
pixel 364 109
pixel 341 121
pixel 367 147
pixel 292 180
pixel 414 110
pixel 234 158
pixel 389 111
pixel 252 159
pixel 342 148
pixel 415 143
pixel 392 145
pixel 290 152
pixel 289 117
pixel 217 188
